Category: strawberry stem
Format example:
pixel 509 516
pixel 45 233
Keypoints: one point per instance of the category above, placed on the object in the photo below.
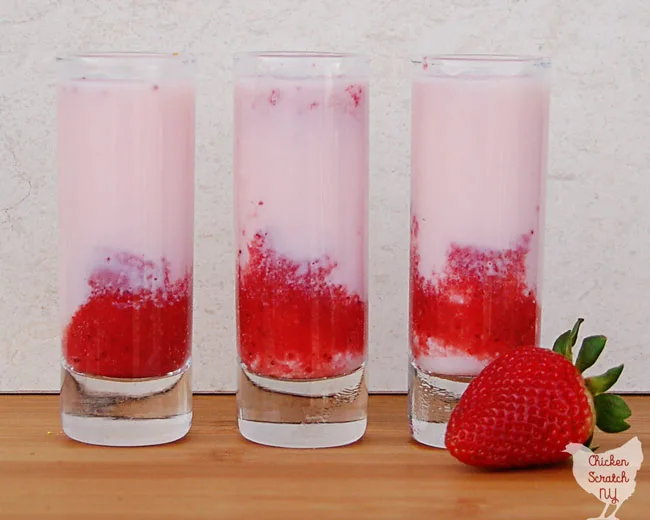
pixel 611 410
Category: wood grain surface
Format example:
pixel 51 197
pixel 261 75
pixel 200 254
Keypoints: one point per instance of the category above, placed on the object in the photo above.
pixel 214 473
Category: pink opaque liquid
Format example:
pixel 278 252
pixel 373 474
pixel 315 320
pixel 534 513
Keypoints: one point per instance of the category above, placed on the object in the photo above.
pixel 126 181
pixel 478 161
pixel 301 168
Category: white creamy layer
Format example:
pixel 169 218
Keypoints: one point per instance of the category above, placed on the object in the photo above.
pixel 478 162
pixel 301 171
pixel 126 179
pixel 451 362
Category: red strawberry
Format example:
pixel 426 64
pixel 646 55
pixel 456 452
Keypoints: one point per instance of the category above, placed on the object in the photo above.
pixel 528 404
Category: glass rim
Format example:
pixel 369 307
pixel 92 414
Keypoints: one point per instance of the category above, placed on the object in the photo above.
pixel 300 54
pixel 107 56
pixel 485 59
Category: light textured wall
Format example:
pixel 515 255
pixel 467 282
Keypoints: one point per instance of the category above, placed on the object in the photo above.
pixel 597 238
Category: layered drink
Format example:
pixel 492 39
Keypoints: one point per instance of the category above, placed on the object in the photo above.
pixel 126 209
pixel 479 142
pixel 301 188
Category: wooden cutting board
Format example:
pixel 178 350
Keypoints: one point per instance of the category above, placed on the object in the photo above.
pixel 215 474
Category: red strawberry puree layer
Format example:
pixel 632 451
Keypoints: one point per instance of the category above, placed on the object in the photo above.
pixel 294 323
pixel 479 306
pixel 136 323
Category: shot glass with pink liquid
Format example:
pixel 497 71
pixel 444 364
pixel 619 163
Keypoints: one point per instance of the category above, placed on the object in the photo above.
pixel 126 216
pixel 301 207
pixel 478 162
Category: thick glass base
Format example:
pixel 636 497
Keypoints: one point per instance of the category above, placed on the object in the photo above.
pixel 126 412
pixel 303 435
pixel 432 399
pixel 321 413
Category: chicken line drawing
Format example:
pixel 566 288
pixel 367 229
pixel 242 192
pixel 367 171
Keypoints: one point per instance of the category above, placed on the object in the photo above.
pixel 592 475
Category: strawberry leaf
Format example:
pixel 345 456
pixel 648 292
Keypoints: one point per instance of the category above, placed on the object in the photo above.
pixel 600 384
pixel 611 412
pixel 564 343
pixel 590 350
pixel 560 343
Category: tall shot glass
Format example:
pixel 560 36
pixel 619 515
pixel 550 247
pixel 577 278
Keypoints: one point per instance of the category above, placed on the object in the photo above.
pixel 479 147
pixel 301 206
pixel 126 210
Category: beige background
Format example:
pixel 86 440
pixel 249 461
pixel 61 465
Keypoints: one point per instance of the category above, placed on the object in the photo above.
pixel 598 243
